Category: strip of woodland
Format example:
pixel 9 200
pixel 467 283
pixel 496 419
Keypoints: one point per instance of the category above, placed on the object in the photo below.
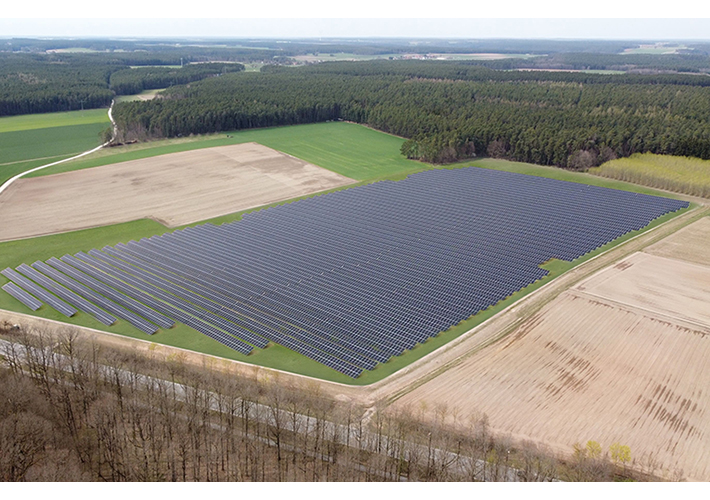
pixel 46 83
pixel 450 112
pixel 73 411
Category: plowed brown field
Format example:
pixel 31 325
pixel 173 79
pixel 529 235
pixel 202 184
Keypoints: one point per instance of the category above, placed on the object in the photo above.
pixel 623 357
pixel 175 189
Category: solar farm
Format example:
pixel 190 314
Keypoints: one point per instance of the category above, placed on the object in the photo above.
pixel 349 279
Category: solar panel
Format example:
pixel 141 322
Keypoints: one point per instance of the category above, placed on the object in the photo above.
pixel 352 278
pixel 129 295
pixel 102 301
pixel 22 296
pixel 118 297
pixel 40 293
pixel 72 298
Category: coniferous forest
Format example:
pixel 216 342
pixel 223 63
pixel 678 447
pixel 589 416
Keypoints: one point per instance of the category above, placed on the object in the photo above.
pixel 450 111
pixel 541 103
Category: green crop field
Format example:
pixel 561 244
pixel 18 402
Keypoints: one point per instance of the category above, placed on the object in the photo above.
pixel 352 150
pixel 28 141
pixel 346 148
pixel 673 173
pixel 49 120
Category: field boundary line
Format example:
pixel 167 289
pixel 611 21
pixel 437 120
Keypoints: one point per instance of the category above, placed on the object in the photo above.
pixel 30 159
pixel 10 181
pixel 631 307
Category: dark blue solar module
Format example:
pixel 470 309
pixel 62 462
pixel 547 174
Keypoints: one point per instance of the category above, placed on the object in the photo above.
pixel 22 296
pixel 39 292
pixel 355 277
pixel 70 297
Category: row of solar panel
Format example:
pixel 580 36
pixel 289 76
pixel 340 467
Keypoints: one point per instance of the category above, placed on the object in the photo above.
pixel 84 305
pixel 352 278
pixel 94 267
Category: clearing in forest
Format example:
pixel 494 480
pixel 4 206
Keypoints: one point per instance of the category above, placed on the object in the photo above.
pixel 622 358
pixel 175 189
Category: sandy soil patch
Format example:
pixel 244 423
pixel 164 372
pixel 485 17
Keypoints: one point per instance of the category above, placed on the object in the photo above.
pixel 622 357
pixel 176 189
pixel 687 244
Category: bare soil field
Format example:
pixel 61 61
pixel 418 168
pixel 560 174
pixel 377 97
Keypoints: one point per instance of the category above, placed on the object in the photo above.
pixel 670 287
pixel 624 357
pixel 687 244
pixel 175 189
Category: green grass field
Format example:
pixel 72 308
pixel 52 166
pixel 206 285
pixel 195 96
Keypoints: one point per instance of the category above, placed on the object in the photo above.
pixel 49 120
pixel 673 173
pixel 346 148
pixel 252 67
pixel 28 141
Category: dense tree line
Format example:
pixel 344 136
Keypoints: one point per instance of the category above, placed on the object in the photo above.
pixel 632 63
pixel 479 71
pixel 41 76
pixel 450 111
pixel 135 80
pixel 44 83
pixel 73 411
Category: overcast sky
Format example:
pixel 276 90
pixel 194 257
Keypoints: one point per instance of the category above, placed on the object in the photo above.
pixel 361 18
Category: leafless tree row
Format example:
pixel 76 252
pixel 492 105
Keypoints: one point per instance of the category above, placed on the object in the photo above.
pixel 70 410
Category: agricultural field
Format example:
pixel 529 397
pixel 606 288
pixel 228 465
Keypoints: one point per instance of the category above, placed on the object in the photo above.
pixel 341 56
pixel 348 149
pixel 479 56
pixel 656 48
pixel 27 141
pixel 673 173
pixel 688 244
pixel 590 71
pixel 619 358
pixel 168 188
